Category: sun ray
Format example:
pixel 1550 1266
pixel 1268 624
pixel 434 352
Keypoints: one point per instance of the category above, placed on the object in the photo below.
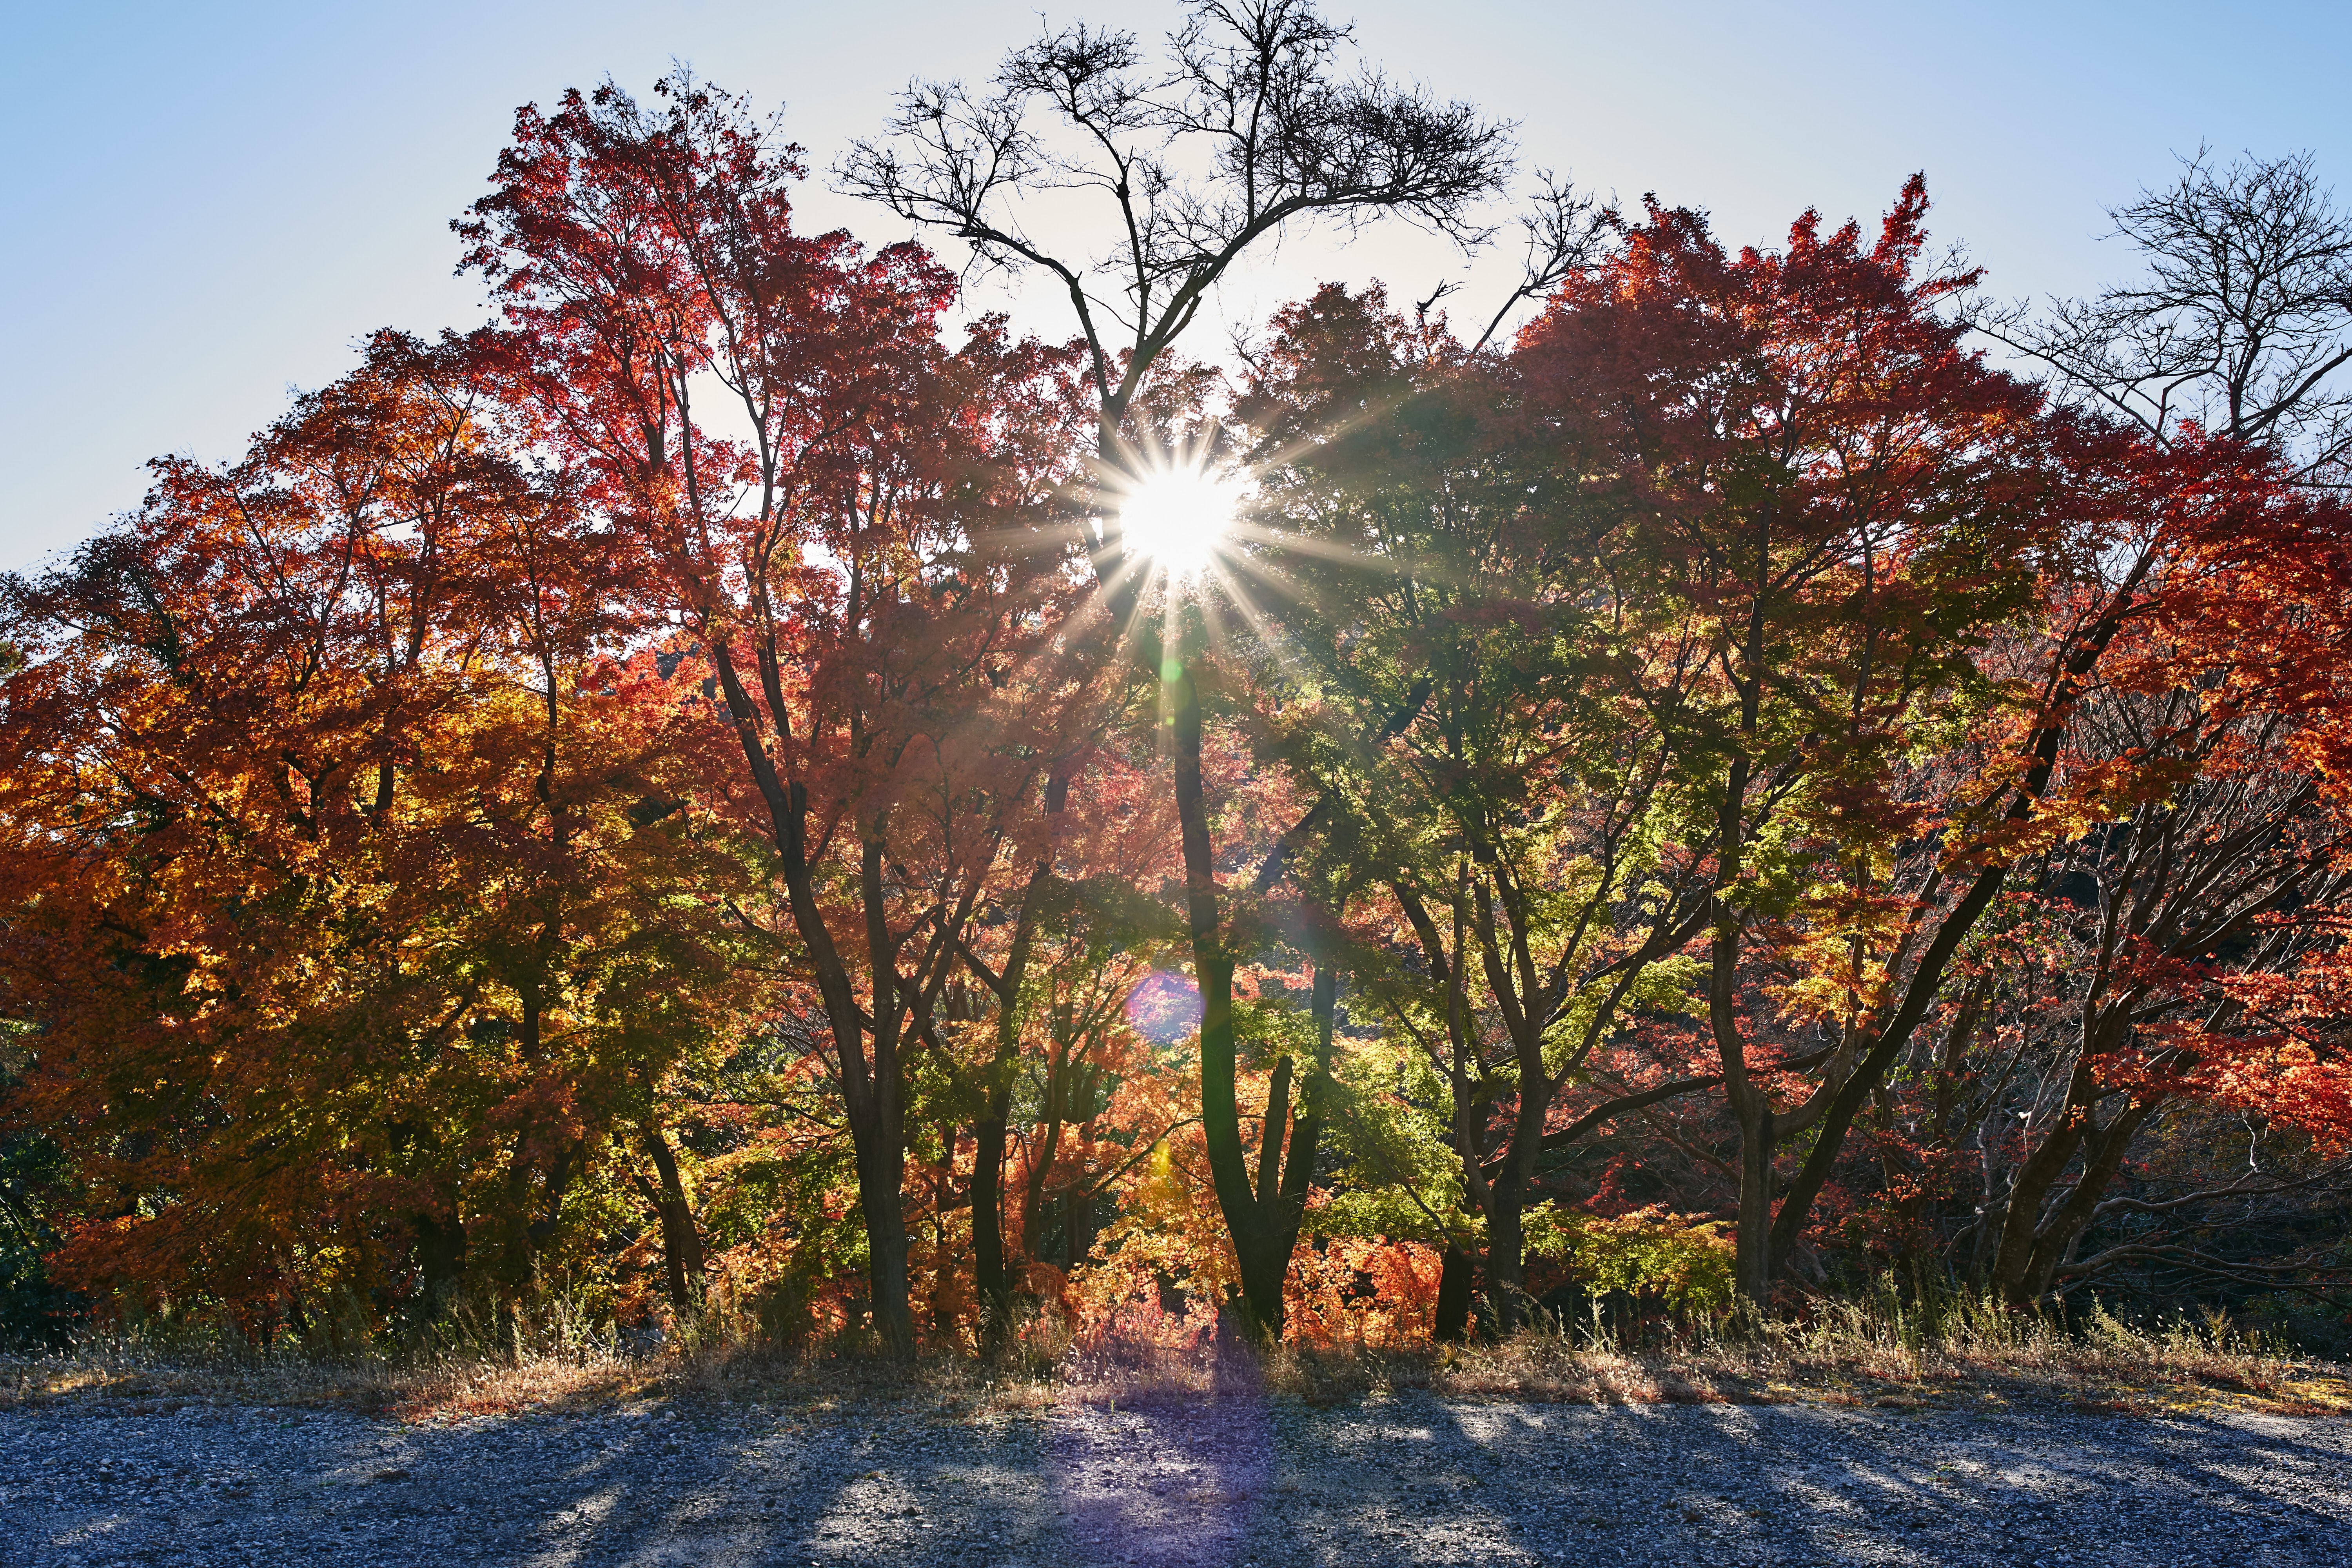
pixel 1289 543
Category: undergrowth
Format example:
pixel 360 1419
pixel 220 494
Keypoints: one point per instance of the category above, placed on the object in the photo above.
pixel 479 1364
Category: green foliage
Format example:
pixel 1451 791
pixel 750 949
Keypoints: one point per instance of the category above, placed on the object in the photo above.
pixel 36 1312
pixel 1669 985
pixel 1266 1031
pixel 1398 1175
pixel 1682 1263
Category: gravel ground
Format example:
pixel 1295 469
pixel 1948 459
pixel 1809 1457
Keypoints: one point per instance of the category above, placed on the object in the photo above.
pixel 1414 1479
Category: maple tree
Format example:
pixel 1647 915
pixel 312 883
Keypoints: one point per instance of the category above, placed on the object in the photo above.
pixel 860 565
pixel 701 791
pixel 1819 505
pixel 2229 345
pixel 1473 763
pixel 2176 950
pixel 323 799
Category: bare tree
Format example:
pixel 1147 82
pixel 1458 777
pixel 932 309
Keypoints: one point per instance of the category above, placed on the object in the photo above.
pixel 1247 130
pixel 1565 230
pixel 2241 325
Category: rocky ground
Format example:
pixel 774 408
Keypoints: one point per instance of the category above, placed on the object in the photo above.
pixel 1242 1479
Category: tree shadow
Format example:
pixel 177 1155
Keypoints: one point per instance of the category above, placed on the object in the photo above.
pixel 1221 1472
pixel 1170 1476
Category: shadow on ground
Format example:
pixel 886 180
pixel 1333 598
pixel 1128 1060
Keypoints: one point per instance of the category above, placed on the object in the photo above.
pixel 1233 1477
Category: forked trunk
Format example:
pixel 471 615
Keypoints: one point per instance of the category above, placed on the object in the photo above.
pixel 870 1085
pixel 1261 1293
pixel 2036 1236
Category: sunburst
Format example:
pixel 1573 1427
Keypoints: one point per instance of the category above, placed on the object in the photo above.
pixel 1176 515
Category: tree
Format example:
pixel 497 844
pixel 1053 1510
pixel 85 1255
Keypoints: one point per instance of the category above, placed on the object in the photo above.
pixel 858 569
pixel 2208 894
pixel 36 1188
pixel 1252 99
pixel 338 909
pixel 1450 702
pixel 1250 131
pixel 2243 325
pixel 1820 509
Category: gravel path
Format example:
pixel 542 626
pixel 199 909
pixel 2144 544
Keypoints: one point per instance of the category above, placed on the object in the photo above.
pixel 1411 1481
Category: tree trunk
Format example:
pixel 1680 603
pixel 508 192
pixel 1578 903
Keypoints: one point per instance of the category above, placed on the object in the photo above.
pixel 881 1182
pixel 1505 1254
pixel 540 1231
pixel 1752 1264
pixel 1750 1110
pixel 1212 972
pixel 1453 1281
pixel 870 1085
pixel 1266 1260
pixel 1306 1127
pixel 1048 1149
pixel 992 1275
pixel 2065 1227
pixel 990 1272
pixel 440 1260
pixel 681 1241
pixel 1759 1129
pixel 2033 1238
pixel 2072 675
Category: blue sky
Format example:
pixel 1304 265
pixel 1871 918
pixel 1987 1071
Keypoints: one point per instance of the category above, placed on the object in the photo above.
pixel 209 204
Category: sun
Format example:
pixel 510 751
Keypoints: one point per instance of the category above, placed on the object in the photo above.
pixel 1178 518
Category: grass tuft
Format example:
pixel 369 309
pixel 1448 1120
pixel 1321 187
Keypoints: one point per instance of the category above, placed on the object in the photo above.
pixel 1973 1355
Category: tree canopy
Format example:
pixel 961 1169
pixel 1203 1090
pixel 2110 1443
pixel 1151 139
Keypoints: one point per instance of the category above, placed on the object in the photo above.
pixel 711 791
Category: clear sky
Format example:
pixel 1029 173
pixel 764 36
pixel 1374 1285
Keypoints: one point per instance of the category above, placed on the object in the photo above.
pixel 208 204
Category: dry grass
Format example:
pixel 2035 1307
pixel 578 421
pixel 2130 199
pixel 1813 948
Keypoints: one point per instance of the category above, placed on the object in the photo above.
pixel 454 1387
pixel 1974 1358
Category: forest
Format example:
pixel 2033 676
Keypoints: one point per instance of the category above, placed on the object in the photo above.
pixel 739 794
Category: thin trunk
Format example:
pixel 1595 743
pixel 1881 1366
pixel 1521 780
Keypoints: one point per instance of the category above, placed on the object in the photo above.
pixel 1752 1111
pixel 1752 1263
pixel 2029 1190
pixel 882 1153
pixel 1271 1134
pixel 990 1267
pixel 1261 1293
pixel 1516 998
pixel 870 1087
pixel 1049 1143
pixel 1307 1131
pixel 881 1185
pixel 681 1240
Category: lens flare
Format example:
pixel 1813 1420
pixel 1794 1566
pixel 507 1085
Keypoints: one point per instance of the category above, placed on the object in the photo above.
pixel 1165 1008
